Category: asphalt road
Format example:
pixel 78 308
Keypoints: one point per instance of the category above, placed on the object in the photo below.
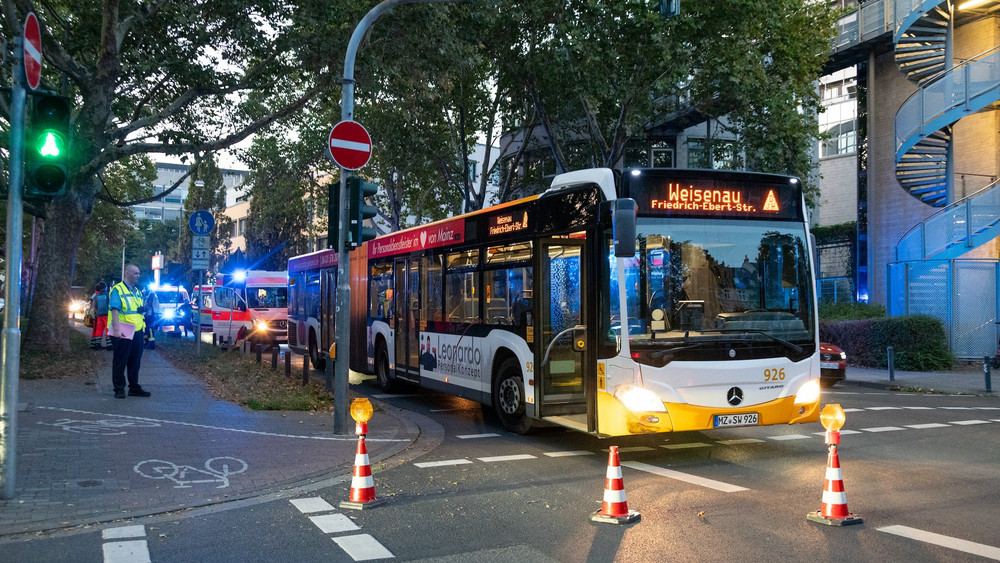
pixel 922 470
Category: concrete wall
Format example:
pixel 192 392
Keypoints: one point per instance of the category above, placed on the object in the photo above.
pixel 838 197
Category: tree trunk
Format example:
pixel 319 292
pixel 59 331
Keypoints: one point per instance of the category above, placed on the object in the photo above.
pixel 48 330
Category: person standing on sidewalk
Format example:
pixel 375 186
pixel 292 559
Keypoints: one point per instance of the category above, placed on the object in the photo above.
pixel 99 305
pixel 126 305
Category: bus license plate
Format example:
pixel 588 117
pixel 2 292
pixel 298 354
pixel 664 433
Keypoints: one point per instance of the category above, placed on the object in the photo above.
pixel 743 419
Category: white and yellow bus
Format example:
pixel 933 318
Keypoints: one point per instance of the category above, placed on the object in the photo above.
pixel 615 303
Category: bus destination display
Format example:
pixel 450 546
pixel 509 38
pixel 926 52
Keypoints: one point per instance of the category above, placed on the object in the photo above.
pixel 684 197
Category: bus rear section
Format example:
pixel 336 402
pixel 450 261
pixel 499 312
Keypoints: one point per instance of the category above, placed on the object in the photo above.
pixel 692 309
pixel 251 305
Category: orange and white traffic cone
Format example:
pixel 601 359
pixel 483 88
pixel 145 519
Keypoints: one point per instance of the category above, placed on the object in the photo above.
pixel 833 510
pixel 362 484
pixel 614 508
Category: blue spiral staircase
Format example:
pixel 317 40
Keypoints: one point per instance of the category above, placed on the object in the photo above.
pixel 923 124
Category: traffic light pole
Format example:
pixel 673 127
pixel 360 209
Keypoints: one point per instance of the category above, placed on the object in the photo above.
pixel 11 339
pixel 342 372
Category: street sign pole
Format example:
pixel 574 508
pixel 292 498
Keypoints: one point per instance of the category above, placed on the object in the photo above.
pixel 201 223
pixel 342 373
pixel 11 353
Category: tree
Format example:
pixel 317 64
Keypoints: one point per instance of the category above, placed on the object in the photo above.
pixel 164 77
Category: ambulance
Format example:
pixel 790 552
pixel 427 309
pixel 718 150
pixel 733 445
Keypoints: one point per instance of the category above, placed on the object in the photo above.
pixel 251 305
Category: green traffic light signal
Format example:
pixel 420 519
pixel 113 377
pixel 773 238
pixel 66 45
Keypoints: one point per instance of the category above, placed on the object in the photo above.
pixel 47 150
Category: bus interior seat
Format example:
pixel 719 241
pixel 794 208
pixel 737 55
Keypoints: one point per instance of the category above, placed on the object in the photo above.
pixel 522 308
pixel 497 312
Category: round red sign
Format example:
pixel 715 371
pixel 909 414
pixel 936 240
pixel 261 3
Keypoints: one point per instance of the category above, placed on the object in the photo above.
pixel 350 145
pixel 32 44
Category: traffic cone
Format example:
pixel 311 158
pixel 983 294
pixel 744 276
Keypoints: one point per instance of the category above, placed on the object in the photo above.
pixel 614 509
pixel 833 510
pixel 362 485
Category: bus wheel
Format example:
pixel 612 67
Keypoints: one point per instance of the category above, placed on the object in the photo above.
pixel 385 382
pixel 508 397
pixel 314 357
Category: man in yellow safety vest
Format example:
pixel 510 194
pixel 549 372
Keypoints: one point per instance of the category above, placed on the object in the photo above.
pixel 126 328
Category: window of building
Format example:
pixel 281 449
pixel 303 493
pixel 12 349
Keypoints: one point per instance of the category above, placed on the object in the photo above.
pixel 723 155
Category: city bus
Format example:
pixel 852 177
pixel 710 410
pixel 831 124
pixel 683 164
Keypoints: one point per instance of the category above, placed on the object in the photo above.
pixel 312 304
pixel 250 305
pixel 615 303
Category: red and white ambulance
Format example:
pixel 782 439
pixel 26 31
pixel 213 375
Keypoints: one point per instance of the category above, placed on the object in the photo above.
pixel 251 305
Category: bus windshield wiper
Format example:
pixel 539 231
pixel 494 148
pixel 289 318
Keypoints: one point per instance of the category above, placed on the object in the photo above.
pixel 669 351
pixel 790 345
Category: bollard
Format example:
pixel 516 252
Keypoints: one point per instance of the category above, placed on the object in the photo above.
pixel 214 339
pixel 986 373
pixel 260 351
pixel 274 357
pixel 305 370
pixel 288 364
pixel 892 367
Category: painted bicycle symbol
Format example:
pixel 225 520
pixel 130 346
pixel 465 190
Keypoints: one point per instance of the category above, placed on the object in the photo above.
pixel 217 470
pixel 109 427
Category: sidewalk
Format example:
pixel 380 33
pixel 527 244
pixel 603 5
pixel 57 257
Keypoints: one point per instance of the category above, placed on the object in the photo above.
pixel 84 457
pixel 966 381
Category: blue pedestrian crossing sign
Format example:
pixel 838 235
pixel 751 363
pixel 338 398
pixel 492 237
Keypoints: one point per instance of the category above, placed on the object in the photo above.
pixel 201 222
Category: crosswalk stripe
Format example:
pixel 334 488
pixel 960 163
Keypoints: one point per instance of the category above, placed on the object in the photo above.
pixel 312 504
pixel 426 464
pixel 134 551
pixel 334 523
pixel 363 547
pixel 124 532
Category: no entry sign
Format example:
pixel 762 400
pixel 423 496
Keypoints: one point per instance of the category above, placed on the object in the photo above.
pixel 350 145
pixel 32 45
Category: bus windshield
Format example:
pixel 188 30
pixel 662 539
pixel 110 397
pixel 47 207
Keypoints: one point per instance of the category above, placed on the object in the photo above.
pixel 715 289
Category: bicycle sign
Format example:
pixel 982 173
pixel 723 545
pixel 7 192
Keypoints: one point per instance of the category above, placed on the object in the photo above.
pixel 108 427
pixel 217 470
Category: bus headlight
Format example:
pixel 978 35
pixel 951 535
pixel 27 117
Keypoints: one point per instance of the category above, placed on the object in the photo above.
pixel 637 399
pixel 808 393
pixel 261 326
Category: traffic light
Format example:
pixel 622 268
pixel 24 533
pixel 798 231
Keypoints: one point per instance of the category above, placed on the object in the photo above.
pixel 670 8
pixel 333 216
pixel 358 210
pixel 46 148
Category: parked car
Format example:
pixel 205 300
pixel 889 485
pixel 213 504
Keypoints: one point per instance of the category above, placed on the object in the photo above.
pixel 174 310
pixel 832 364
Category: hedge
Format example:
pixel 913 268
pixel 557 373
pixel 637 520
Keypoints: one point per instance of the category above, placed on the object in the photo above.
pixel 919 342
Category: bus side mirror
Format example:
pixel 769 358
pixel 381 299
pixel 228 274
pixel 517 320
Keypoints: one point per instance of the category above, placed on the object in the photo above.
pixel 623 226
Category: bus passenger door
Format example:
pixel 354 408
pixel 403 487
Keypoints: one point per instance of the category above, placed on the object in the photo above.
pixel 563 333
pixel 406 318
pixel 328 310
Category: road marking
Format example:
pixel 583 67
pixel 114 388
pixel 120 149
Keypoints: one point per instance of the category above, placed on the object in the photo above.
pixel 740 441
pixel 124 532
pixel 312 504
pixel 630 449
pixel 842 432
pixel 789 437
pixel 686 446
pixel 363 547
pixel 239 430
pixel 883 408
pixel 475 436
pixel 969 422
pixel 988 408
pixel 441 463
pixel 955 408
pixel 135 551
pixel 881 429
pixel 687 478
pixel 926 426
pixel 943 541
pixel 334 523
pixel 920 408
pixel 569 453
pixel 854 410
pixel 515 457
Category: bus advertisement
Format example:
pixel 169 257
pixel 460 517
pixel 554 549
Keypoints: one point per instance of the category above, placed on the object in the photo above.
pixel 615 303
pixel 251 305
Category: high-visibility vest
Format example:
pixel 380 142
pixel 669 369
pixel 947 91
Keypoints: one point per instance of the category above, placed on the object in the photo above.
pixel 131 301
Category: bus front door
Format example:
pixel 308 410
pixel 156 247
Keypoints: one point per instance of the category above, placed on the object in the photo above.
pixel 563 345
pixel 406 318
